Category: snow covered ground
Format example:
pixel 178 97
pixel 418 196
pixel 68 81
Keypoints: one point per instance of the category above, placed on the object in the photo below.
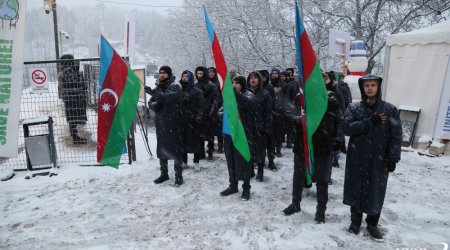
pixel 105 208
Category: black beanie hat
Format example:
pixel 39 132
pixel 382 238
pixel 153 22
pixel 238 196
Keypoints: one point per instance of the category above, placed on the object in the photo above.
pixel 241 80
pixel 166 69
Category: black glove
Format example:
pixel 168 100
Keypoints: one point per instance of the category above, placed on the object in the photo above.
pixel 198 120
pixel 390 166
pixel 375 119
pixel 148 90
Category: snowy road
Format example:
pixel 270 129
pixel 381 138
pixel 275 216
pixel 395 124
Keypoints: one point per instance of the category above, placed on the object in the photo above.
pixel 104 208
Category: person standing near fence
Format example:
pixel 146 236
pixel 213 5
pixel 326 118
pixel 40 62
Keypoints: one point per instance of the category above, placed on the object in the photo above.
pixel 166 102
pixel 374 148
pixel 74 95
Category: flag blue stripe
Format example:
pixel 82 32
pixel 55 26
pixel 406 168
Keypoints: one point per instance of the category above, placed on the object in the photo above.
pixel 299 29
pixel 225 124
pixel 106 54
pixel 209 26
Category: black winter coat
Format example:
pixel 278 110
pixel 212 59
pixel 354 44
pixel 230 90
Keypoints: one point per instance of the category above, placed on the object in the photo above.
pixel 209 101
pixel 368 150
pixel 166 101
pixel 191 116
pixel 74 93
pixel 262 122
pixel 246 106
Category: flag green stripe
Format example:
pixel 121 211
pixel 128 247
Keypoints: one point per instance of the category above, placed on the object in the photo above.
pixel 237 130
pixel 124 116
pixel 316 104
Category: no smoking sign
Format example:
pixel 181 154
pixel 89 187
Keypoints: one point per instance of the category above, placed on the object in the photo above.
pixel 39 81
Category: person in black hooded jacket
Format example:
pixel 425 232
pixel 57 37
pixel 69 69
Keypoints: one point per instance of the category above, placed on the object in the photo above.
pixel 238 167
pixel 74 94
pixel 323 139
pixel 262 119
pixel 270 146
pixel 166 102
pixel 279 109
pixel 331 85
pixel 209 101
pixel 374 149
pixel 212 74
pixel 192 117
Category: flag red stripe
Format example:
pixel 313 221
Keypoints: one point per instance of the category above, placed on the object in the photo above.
pixel 308 56
pixel 221 66
pixel 115 79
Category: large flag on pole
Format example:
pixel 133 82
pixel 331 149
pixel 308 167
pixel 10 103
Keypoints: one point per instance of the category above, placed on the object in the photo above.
pixel 232 124
pixel 115 114
pixel 314 100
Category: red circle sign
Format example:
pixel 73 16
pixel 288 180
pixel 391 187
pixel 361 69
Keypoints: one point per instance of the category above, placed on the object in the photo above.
pixel 38 76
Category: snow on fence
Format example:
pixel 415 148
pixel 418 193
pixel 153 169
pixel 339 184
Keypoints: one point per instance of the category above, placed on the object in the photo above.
pixel 49 103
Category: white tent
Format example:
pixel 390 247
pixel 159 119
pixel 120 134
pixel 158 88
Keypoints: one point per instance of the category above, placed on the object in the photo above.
pixel 417 74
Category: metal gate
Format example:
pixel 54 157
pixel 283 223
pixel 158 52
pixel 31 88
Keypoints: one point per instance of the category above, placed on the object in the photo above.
pixel 51 104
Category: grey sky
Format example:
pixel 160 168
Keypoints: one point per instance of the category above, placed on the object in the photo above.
pixel 127 4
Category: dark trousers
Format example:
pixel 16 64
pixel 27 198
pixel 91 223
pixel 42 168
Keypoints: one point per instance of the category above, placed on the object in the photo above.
pixel 356 217
pixel 270 147
pixel 196 158
pixel 322 168
pixel 73 129
pixel 238 168
pixel 164 167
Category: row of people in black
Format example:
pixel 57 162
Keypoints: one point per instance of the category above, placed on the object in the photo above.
pixel 189 114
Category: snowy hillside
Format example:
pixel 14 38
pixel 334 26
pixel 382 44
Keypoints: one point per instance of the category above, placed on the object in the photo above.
pixel 105 208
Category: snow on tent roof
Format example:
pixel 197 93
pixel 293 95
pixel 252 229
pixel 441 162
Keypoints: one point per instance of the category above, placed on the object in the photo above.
pixel 438 33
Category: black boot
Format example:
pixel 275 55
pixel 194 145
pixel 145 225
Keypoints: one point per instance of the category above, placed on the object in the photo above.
pixel 246 191
pixel 252 173
pixel 260 175
pixel 372 226
pixel 164 172
pixel 335 163
pixel 293 208
pixel 210 156
pixel 178 179
pixel 78 140
pixel 231 189
pixel 162 178
pixel 356 218
pixel 271 165
pixel 320 213
pixel 278 153
pixel 374 232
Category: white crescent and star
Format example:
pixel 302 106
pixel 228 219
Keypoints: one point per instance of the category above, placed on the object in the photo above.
pixel 106 106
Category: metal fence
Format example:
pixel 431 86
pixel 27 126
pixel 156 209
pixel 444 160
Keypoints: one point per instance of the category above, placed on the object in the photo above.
pixel 49 103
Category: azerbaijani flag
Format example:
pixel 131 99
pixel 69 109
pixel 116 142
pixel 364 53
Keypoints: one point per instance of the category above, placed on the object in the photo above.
pixel 115 114
pixel 232 124
pixel 315 98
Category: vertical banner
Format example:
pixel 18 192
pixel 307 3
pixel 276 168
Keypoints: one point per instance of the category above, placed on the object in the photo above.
pixel 442 129
pixel 130 34
pixel 12 31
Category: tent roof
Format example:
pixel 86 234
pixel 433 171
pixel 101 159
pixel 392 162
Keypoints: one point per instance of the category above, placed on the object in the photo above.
pixel 438 33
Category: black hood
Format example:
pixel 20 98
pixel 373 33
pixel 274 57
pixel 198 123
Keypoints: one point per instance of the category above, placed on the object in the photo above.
pixel 330 86
pixel 241 80
pixel 266 74
pixel 257 75
pixel 68 61
pixel 369 77
pixel 215 73
pixel 205 74
pixel 190 83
